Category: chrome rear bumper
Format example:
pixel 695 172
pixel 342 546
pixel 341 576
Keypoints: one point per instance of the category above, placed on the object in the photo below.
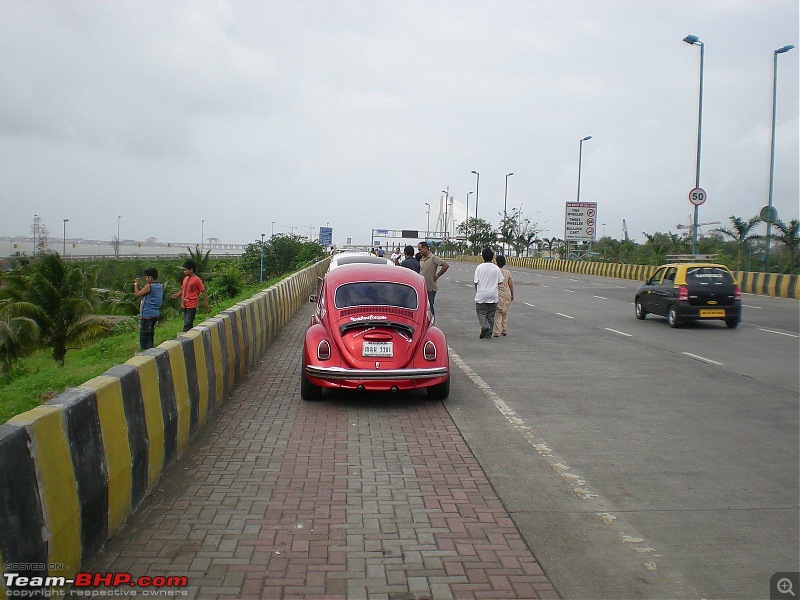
pixel 374 374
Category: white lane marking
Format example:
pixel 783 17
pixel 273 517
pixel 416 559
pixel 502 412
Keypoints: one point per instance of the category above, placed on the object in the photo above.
pixel 563 315
pixel 531 305
pixel 755 307
pixel 547 286
pixel 570 291
pixel 600 297
pixel 780 333
pixel 702 359
pixel 629 537
pixel 575 280
pixel 619 332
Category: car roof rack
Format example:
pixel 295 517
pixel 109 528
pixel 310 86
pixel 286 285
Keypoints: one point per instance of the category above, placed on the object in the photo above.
pixel 679 258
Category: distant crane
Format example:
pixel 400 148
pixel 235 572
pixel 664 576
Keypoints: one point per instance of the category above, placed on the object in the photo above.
pixel 625 230
pixel 691 226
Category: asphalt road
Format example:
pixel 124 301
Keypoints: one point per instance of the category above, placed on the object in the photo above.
pixel 637 460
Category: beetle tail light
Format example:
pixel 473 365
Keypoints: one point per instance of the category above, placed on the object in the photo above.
pixel 683 294
pixel 323 350
pixel 737 293
pixel 429 350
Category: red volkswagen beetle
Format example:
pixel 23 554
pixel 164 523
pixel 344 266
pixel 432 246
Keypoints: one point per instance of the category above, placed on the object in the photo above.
pixel 372 330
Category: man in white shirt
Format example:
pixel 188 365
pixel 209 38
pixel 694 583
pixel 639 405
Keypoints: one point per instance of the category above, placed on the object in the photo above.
pixel 487 277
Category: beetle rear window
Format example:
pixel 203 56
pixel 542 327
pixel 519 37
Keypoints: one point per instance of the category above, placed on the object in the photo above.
pixel 376 293
pixel 367 258
pixel 708 276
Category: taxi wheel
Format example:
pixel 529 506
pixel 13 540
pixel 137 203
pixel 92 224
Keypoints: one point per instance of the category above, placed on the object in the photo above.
pixel 309 391
pixel 732 323
pixel 641 313
pixel 440 391
pixel 672 317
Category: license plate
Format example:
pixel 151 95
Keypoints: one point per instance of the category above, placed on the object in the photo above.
pixel 712 312
pixel 380 349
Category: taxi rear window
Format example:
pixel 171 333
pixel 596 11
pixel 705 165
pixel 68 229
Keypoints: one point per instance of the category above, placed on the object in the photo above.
pixel 708 276
pixel 376 293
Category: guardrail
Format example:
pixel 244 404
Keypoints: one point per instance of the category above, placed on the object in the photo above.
pixel 766 284
pixel 74 469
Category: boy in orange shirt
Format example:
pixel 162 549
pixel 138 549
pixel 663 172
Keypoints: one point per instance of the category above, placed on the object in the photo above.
pixel 191 288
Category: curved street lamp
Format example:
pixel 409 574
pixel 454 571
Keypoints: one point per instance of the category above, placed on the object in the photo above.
pixel 693 40
pixel 772 147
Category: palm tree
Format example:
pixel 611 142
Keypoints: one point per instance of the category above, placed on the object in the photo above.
pixel 740 233
pixel 63 297
pixel 19 333
pixel 200 259
pixel 789 236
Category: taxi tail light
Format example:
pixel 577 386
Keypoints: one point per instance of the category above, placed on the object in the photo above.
pixel 323 350
pixel 737 293
pixel 429 350
pixel 683 294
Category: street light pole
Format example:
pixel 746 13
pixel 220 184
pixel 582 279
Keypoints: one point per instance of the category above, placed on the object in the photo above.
pixel 772 145
pixel 261 275
pixel 446 200
pixel 35 227
pixel 580 164
pixel 578 197
pixel 695 41
pixel 428 230
pixel 477 191
pixel 118 240
pixel 466 222
pixel 272 231
pixel 202 234
pixel 64 245
pixel 505 214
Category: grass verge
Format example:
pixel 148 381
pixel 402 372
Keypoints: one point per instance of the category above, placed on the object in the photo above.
pixel 39 378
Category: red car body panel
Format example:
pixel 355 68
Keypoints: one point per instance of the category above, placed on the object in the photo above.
pixel 346 329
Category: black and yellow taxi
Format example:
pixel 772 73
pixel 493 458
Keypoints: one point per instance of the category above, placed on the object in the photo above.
pixel 690 291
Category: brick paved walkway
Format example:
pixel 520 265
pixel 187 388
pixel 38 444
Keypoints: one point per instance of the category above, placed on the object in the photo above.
pixel 357 496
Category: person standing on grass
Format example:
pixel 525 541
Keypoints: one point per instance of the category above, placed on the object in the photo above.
pixel 152 295
pixel 488 277
pixel 191 288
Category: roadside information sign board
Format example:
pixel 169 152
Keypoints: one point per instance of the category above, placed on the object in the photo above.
pixel 580 222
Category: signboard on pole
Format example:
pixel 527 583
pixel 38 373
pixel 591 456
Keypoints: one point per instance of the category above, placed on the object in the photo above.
pixel 326 236
pixel 580 222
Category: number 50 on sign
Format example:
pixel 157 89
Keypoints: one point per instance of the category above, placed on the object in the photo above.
pixel 697 196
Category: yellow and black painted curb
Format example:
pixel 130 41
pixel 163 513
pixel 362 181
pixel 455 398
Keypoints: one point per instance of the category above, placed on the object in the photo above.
pixel 74 469
pixel 766 284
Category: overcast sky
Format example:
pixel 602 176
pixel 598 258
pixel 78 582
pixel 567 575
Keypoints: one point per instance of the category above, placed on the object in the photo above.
pixel 357 113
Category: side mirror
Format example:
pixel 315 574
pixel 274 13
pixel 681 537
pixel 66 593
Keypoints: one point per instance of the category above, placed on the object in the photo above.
pixel 312 298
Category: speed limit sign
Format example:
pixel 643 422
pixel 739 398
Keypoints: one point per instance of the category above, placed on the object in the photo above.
pixel 697 196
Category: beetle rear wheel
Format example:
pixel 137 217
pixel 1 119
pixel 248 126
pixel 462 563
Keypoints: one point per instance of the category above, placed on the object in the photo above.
pixel 309 391
pixel 440 391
